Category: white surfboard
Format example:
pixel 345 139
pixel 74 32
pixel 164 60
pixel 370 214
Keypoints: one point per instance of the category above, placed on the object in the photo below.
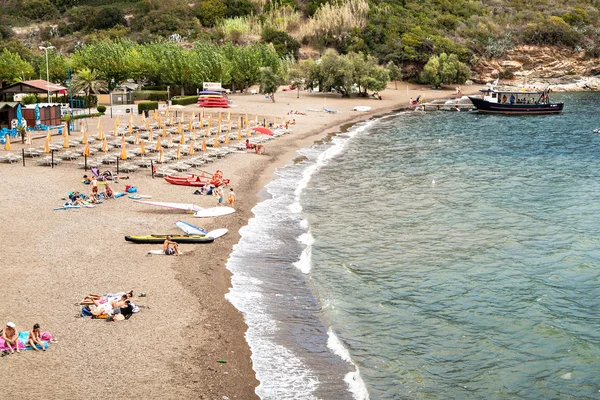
pixel 214 212
pixel 161 252
pixel 178 206
pixel 217 233
pixel 139 196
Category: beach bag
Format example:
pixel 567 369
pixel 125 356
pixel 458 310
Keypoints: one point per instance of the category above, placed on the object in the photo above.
pixel 130 189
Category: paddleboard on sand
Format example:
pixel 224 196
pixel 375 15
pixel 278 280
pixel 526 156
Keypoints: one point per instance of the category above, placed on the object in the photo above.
pixel 139 196
pixel 178 206
pixel 214 212
pixel 161 252
pixel 66 207
pixel 217 233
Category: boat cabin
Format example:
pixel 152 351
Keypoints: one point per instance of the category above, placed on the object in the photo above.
pixel 511 97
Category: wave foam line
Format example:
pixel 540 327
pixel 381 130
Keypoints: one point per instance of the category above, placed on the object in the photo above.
pixel 322 160
pixel 356 385
pixel 304 264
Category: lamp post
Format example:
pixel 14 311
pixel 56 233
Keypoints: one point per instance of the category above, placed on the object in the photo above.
pixel 47 70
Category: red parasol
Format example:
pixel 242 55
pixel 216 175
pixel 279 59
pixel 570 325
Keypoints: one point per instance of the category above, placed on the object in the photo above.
pixel 265 131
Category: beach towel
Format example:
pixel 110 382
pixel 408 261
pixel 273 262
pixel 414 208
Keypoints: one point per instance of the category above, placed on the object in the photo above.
pixel 23 340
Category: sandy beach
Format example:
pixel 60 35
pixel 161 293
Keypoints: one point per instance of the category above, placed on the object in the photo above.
pixel 173 347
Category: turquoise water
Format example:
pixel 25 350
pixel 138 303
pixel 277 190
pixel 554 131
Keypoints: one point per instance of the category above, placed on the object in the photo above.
pixel 456 255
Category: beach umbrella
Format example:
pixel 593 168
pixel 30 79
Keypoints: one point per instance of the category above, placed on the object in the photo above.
pixel 130 118
pixel 160 124
pixel 116 130
pixel 158 144
pixel 66 142
pixel 193 116
pixel 7 143
pixel 182 139
pixel 178 155
pixel 164 131
pixel 155 116
pixel 203 144
pixel 65 132
pixel 104 145
pixel 167 113
pixel 144 117
pixel 19 116
pixel 161 156
pixel 123 149
pixel 246 119
pixel 147 123
pixel 202 114
pixel 170 140
pixel 264 131
pixel 209 121
pixel 142 147
pixel 229 126
pixel 172 121
pixel 239 137
pixel 216 143
pixel 207 132
pixel 179 127
pixel 190 125
pixel 117 121
pixel 49 135
pixel 194 137
pixel 150 135
pixel 249 131
pixel 86 150
pixel 182 116
pixel 130 128
pixel 191 148
pixel 37 116
pixel 227 137
pixel 220 118
pixel 99 123
pixel 46 146
pixel 29 139
pixel 136 140
pixel 229 116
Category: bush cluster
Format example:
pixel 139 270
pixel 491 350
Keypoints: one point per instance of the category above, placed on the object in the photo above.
pixel 184 101
pixel 152 95
pixel 147 105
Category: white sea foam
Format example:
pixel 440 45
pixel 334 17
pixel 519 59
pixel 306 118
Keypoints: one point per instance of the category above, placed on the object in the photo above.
pixel 305 262
pixel 356 386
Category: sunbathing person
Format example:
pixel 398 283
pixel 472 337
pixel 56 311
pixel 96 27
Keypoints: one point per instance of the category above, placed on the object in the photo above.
pixel 124 312
pixel 93 199
pixel 86 180
pixel 11 337
pixel 35 339
pixel 170 247
pixel 96 299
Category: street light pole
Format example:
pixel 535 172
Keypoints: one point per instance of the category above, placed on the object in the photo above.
pixel 47 69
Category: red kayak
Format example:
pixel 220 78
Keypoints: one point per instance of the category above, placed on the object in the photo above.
pixel 198 181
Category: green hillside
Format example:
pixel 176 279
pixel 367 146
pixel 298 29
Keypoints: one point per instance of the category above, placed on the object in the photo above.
pixel 405 32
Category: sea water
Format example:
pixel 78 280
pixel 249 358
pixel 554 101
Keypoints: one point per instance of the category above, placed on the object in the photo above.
pixel 430 255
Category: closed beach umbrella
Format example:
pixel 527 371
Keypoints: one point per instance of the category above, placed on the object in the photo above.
pixel 158 144
pixel 155 116
pixel 170 140
pixel 190 125
pixel 123 149
pixel 246 119
pixel 116 130
pixel 203 144
pixel 227 137
pixel 130 128
pixel 167 113
pixel 150 135
pixel 104 145
pixel 160 124
pixel 147 124
pixel 249 131
pixel 65 131
pixel 229 126
pixel 193 116
pixel 46 146
pixel 99 123
pixel 179 127
pixel 182 116
pixel 216 143
pixel 66 142
pixel 7 143
pixel 178 154
pixel 164 131
pixel 191 148
pixel 142 147
pixel 86 150
pixel 182 138
pixel 29 140
pixel 239 137
pixel 194 134
pixel 172 122
pixel 49 135
pixel 117 121
pixel 84 139
pixel 229 116
pixel 202 114
pixel 161 156
pixel 136 140
pixel 220 118
pixel 209 121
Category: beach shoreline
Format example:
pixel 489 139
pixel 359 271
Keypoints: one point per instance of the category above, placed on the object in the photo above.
pixel 186 326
